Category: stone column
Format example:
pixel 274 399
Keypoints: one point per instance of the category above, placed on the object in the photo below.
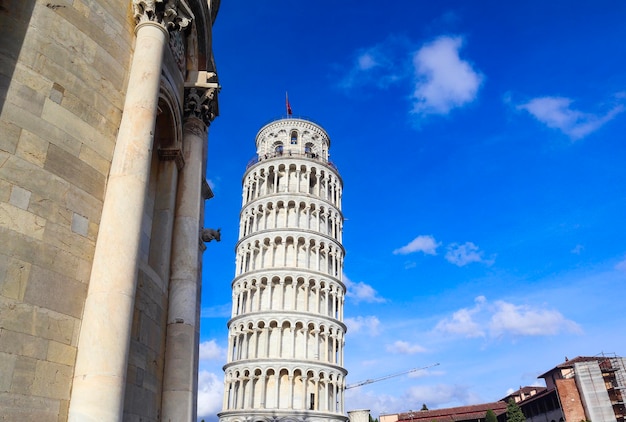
pixel 181 348
pixel 102 356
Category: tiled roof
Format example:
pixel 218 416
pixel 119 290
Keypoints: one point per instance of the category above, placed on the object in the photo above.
pixel 462 413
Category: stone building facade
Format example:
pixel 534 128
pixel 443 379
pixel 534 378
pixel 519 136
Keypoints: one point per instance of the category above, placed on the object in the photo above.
pixel 286 334
pixel 105 109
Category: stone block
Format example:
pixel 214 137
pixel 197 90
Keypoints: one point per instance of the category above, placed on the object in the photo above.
pixel 63 238
pixel 43 128
pixel 35 179
pixel 75 171
pixel 61 353
pixel 23 344
pixel 20 197
pixel 22 408
pixel 51 210
pixel 84 204
pixel 7 366
pixel 57 260
pixel 25 98
pixel 95 160
pixel 32 148
pixel 56 292
pixel 80 225
pixel 26 318
pixel 23 375
pixel 83 271
pixel 13 277
pixel 10 136
pixel 52 380
pixel 5 190
pixel 21 221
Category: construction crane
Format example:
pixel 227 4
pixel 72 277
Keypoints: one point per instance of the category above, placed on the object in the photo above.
pixel 397 374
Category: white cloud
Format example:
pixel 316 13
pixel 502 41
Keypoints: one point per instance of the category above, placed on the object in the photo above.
pixel 444 80
pixel 370 324
pixel 557 113
pixel 210 350
pixel 505 319
pixel 464 254
pixel 405 348
pixel 522 320
pixel 621 266
pixel 210 392
pixel 462 321
pixel 361 292
pixel 422 243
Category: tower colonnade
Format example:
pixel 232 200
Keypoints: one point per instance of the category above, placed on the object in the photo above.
pixel 286 332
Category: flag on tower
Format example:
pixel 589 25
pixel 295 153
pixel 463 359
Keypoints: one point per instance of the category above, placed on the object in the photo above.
pixel 289 112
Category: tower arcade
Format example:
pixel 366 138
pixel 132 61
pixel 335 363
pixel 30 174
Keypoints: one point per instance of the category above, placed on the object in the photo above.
pixel 286 333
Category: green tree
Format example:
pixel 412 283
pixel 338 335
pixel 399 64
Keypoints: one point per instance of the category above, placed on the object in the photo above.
pixel 490 416
pixel 514 413
pixel 372 419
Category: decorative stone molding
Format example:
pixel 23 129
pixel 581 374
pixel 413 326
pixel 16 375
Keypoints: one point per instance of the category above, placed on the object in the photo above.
pixel 201 103
pixel 175 154
pixel 207 192
pixel 174 15
pixel 177 47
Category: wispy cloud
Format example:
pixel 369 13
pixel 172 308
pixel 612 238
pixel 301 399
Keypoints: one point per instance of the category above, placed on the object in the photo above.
pixel 210 393
pixel 444 80
pixel 505 319
pixel 422 243
pixel 361 292
pixel 370 324
pixel 558 113
pixel 621 266
pixel 440 394
pixel 404 348
pixel 210 350
pixel 379 65
pixel 462 321
pixel 466 253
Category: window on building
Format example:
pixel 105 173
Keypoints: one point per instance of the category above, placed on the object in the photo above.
pixel 294 137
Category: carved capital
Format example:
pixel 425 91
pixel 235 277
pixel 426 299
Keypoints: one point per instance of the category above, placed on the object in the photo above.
pixel 201 103
pixel 169 154
pixel 174 15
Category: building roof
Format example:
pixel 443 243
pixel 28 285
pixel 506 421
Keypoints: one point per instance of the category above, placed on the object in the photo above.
pixel 524 393
pixel 569 363
pixel 459 414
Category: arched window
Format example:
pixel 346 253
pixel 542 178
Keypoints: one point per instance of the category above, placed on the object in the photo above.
pixel 278 148
pixel 294 137
pixel 308 148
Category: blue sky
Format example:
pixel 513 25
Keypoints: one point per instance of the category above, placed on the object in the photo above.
pixel 482 150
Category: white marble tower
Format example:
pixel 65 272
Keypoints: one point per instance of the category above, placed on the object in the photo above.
pixel 286 335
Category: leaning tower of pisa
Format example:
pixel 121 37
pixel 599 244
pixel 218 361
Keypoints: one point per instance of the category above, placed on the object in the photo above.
pixel 286 335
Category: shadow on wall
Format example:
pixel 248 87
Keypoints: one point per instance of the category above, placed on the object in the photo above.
pixel 14 19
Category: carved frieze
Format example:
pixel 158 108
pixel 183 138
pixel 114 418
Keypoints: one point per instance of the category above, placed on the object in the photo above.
pixel 177 47
pixel 175 15
pixel 201 103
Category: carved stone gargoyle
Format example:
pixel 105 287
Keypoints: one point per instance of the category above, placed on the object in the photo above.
pixel 210 234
